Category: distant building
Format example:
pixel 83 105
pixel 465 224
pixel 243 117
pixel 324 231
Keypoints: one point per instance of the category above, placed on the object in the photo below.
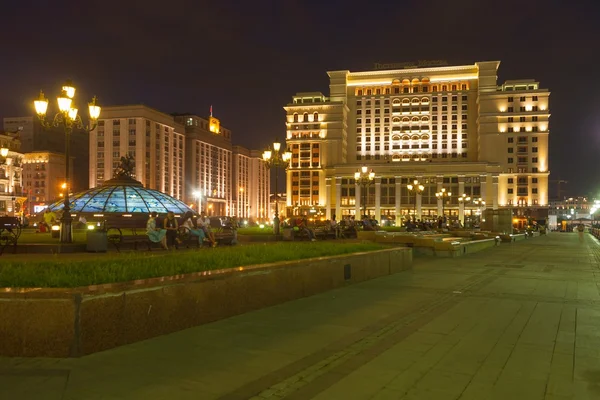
pixel 34 138
pixel 186 156
pixel 153 138
pixel 449 127
pixel 251 189
pixel 43 179
pixel 12 196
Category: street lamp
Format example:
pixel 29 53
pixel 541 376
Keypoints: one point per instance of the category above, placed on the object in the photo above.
pixel 479 203
pixel 463 200
pixel 198 196
pixel 364 178
pixel 67 117
pixel 442 194
pixel 275 159
pixel 418 189
pixel 4 152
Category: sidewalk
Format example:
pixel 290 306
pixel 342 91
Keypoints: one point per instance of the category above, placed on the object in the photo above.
pixel 519 321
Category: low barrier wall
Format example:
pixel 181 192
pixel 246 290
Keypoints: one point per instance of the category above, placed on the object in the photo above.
pixel 75 322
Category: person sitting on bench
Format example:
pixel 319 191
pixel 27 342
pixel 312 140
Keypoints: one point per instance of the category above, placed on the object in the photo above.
pixel 155 234
pixel 190 222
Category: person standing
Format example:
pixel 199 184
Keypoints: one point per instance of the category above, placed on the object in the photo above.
pixel 171 226
pixel 156 235
pixel 580 230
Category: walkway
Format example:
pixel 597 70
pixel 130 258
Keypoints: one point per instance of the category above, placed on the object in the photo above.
pixel 519 321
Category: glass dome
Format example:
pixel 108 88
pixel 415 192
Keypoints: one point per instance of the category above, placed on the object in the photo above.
pixel 122 195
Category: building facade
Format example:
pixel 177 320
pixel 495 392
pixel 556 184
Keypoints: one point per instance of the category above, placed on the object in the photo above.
pixel 34 138
pixel 12 195
pixel 152 138
pixel 186 156
pixel 451 128
pixel 43 179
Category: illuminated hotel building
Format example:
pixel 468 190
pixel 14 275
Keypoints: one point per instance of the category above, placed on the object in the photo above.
pixel 251 184
pixel 12 195
pixel 153 138
pixel 43 178
pixel 449 127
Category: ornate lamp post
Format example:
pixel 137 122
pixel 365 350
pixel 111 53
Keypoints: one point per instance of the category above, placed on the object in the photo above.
pixel 462 201
pixel 364 178
pixel 442 194
pixel 418 189
pixel 275 159
pixel 68 118
pixel 479 203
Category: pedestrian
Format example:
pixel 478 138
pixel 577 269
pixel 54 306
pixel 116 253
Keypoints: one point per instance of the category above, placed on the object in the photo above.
pixel 49 218
pixel 580 230
pixel 171 226
pixel 156 235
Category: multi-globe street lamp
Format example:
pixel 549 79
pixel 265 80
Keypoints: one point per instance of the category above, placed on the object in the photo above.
pixel 418 189
pixel 462 201
pixel 442 194
pixel 68 118
pixel 479 204
pixel 275 159
pixel 364 178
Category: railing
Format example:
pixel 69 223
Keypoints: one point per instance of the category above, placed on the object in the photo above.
pixel 14 194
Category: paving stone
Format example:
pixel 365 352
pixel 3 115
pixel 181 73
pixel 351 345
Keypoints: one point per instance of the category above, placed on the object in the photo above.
pixel 470 328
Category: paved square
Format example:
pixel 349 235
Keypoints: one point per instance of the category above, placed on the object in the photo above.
pixel 520 321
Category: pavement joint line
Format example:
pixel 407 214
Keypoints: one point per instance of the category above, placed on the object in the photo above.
pixel 289 385
pixel 553 350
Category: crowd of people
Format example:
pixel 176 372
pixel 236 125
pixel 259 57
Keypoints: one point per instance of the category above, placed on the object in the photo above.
pixel 165 231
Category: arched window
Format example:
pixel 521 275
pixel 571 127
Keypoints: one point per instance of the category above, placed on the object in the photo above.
pixel 444 88
pixel 396 137
pixel 406 119
pixel 405 137
pixel 305 117
pixel 396 102
pixel 387 90
pixel 405 102
pixel 424 137
pixel 415 101
pixel 369 92
pixel 295 117
pixel 396 120
pixel 395 157
pixel 359 92
pixel 425 100
pixel 415 137
pixel 453 87
pixel 316 117
pixel 378 91
pixel 415 119
pixel 425 119
pixel 434 88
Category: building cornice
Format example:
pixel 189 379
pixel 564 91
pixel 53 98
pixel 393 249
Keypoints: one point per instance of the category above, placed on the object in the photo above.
pixel 417 71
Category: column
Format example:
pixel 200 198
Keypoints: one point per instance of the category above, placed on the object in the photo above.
pixel 483 183
pixel 398 203
pixel 338 198
pixel 357 202
pixel 440 184
pixel 378 199
pixel 461 205
pixel 328 199
pixel 494 193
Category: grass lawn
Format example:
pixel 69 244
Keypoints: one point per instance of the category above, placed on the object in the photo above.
pixel 109 268
pixel 256 230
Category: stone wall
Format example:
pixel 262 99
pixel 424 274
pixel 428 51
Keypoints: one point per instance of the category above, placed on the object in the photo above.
pixel 75 322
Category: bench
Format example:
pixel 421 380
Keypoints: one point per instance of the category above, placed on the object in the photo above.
pixel 324 231
pixel 114 232
pixel 222 229
pixel 10 231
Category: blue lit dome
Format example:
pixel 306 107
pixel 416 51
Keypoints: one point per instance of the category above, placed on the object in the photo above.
pixel 122 195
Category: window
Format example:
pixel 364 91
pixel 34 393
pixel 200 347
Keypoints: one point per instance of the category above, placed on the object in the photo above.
pixel 534 108
pixel 522 109
pixel 511 129
pixel 534 98
pixel 511 109
pixel 464 107
pixel 454 98
pixel 510 149
pixel 534 149
pixel 510 191
pixel 534 169
pixel 510 160
pixel 522 119
pixel 534 159
pixel 510 99
pixel 534 118
pixel 511 119
pixel 534 139
pixel 522 98
pixel 534 180
pixel 511 180
pixel 533 190
pixel 464 98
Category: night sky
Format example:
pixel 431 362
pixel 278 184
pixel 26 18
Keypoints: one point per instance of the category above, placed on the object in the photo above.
pixel 247 58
